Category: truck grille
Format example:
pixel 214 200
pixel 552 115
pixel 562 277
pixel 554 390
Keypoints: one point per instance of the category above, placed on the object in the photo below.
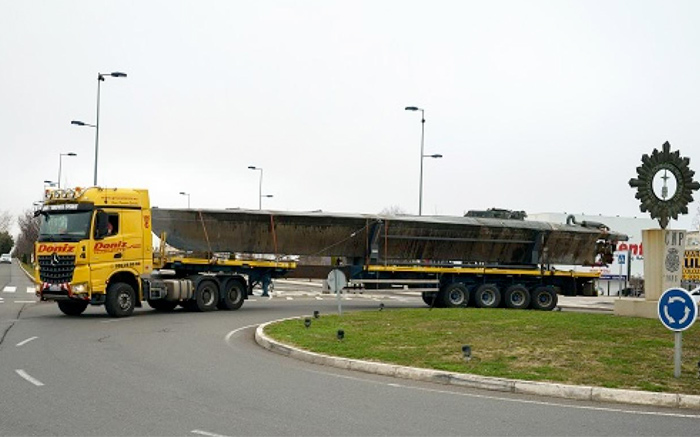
pixel 56 269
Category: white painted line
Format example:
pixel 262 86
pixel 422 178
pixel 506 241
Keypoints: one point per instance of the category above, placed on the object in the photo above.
pixel 513 400
pixel 116 320
pixel 208 434
pixel 26 376
pixel 22 343
pixel 252 300
pixel 228 336
pixel 318 298
pixel 290 298
pixel 25 301
pixel 9 289
pixel 31 290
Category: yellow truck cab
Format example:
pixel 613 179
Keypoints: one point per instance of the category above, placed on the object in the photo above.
pixel 93 247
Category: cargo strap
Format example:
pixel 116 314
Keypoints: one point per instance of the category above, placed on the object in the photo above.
pixel 274 235
pixel 206 235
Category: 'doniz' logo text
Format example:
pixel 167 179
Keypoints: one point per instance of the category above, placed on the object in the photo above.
pixel 56 248
pixel 119 246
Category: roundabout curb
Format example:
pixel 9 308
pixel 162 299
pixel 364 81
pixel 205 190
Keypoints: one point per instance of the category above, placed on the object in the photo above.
pixel 566 391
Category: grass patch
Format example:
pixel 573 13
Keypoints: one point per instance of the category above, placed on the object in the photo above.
pixel 572 348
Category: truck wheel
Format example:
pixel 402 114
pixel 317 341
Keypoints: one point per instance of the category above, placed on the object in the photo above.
pixel 544 298
pixel 487 296
pixel 207 296
pixel 517 297
pixel 455 295
pixel 120 300
pixel 72 307
pixel 163 305
pixel 233 296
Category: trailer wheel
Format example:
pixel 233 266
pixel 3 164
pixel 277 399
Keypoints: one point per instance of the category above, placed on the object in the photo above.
pixel 72 307
pixel 120 299
pixel 163 305
pixel 487 296
pixel 455 295
pixel 517 297
pixel 207 295
pixel 544 299
pixel 233 296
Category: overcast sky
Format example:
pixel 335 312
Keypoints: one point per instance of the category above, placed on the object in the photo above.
pixel 542 106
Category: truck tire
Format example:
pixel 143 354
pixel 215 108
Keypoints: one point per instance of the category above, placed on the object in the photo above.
pixel 487 296
pixel 544 299
pixel 163 305
pixel 517 297
pixel 207 295
pixel 455 295
pixel 120 300
pixel 72 307
pixel 234 294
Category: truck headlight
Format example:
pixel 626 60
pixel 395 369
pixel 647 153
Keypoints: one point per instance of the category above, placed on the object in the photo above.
pixel 81 288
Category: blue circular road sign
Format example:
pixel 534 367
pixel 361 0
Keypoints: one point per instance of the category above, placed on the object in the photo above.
pixel 677 309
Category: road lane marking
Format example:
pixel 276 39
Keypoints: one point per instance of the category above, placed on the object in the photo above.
pixel 116 320
pixel 228 336
pixel 25 301
pixel 318 298
pixel 26 376
pixel 31 290
pixel 290 298
pixel 499 398
pixel 22 343
pixel 208 434
pixel 9 289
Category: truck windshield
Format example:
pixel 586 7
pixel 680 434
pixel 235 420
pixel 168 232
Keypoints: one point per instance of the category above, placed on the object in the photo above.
pixel 65 226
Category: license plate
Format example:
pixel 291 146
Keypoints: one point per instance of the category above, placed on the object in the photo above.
pixel 54 287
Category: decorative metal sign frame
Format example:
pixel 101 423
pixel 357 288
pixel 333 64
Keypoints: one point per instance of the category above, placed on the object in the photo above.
pixel 663 207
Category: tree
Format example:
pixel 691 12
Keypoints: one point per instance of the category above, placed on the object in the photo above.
pixel 5 220
pixel 28 234
pixel 6 242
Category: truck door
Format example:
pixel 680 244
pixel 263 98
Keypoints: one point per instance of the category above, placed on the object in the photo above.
pixel 120 249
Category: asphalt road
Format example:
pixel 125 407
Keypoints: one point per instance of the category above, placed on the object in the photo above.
pixel 192 374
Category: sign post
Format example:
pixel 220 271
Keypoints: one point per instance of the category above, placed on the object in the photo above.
pixel 677 311
pixel 336 282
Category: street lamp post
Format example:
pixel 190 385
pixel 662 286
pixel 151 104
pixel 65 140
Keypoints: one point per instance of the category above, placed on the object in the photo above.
pixel 260 196
pixel 100 79
pixel 188 198
pixel 60 159
pixel 422 155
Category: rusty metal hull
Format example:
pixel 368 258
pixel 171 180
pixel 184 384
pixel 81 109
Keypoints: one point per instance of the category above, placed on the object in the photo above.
pixel 396 238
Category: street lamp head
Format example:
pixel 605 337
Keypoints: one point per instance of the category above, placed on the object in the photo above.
pixel 183 193
pixel 71 154
pixel 117 74
pixel 267 195
pixel 437 155
pixel 252 167
pixel 413 108
pixel 78 123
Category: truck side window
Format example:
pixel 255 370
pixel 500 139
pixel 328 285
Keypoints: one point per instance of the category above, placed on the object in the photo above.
pixel 112 224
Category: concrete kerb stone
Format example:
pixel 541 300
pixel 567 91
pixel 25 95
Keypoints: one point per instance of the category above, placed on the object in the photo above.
pixel 582 393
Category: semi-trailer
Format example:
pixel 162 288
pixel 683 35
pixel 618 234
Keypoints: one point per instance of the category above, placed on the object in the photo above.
pixel 95 248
